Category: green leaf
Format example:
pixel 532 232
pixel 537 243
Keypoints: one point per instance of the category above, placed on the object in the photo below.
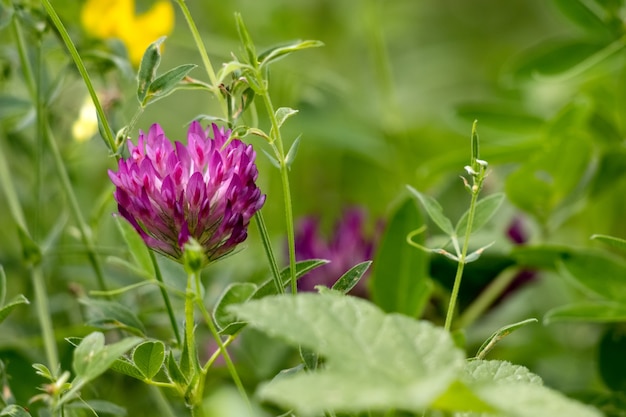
pixel 112 315
pixel 302 267
pixel 500 334
pixel 148 357
pixel 166 83
pixel 515 391
pixel 351 277
pixel 148 68
pixel 99 406
pixel 583 16
pixel 3 286
pixel 10 306
pixel 434 210
pixel 611 240
pixel 246 40
pixel 136 245
pixel 598 272
pixel 484 211
pixel 540 256
pixel 283 114
pixel 594 312
pixel 278 52
pixel 399 280
pixel 174 372
pixel 14 411
pixel 235 293
pixel 291 155
pixel 126 367
pixel 373 361
pixel 229 68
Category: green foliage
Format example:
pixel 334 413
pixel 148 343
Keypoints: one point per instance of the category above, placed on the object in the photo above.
pixel 399 280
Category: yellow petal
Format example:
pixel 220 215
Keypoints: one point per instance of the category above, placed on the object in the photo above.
pixel 104 18
pixel 147 28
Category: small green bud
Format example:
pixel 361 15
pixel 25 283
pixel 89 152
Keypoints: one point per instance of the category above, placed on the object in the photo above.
pixel 194 257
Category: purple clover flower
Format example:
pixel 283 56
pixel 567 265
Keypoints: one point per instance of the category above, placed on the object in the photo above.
pixel 205 190
pixel 348 246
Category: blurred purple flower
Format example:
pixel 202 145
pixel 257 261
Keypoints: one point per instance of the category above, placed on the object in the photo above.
pixel 348 246
pixel 205 190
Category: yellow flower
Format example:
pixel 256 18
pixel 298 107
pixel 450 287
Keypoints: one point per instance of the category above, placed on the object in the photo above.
pixel 86 125
pixel 106 19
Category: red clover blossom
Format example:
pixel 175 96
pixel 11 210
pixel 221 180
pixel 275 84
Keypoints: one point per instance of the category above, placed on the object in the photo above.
pixel 205 190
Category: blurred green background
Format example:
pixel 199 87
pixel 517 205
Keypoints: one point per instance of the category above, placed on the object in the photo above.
pixel 388 101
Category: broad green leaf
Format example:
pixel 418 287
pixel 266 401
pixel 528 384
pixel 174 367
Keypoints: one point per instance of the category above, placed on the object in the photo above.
pixel 399 280
pixel 352 277
pixel 148 68
pixel 14 411
pixel 611 240
pixel 278 52
pixel 293 151
pixel 302 267
pixel 578 12
pixel 166 83
pixel 92 358
pixel 500 334
pixel 283 114
pixel 516 392
pixel 484 211
pixel 109 314
pixel 373 361
pixel 434 210
pixel 596 312
pixel 601 273
pixel 126 367
pixel 235 293
pixel 148 357
pixel 6 309
pixel 136 245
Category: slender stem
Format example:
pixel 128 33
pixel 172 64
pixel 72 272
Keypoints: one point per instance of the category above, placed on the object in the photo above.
pixel 486 298
pixel 80 65
pixel 166 298
pixel 461 264
pixel 43 315
pixel 190 323
pixel 284 176
pixel 260 222
pixel 21 49
pixel 222 347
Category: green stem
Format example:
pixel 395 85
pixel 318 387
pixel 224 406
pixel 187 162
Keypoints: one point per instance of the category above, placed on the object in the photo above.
pixel 461 263
pixel 487 297
pixel 166 298
pixel 267 245
pixel 190 323
pixel 284 176
pixel 43 314
pixel 80 65
pixel 222 347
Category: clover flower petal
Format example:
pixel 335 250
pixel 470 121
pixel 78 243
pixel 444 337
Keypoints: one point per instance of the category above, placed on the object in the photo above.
pixel 205 190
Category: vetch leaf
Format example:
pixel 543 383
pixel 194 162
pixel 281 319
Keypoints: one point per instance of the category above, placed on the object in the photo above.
pixel 174 372
pixel 277 52
pixel 148 357
pixel 351 277
pixel 10 306
pixel 126 367
pixel 593 312
pixel 246 40
pixel 136 245
pixel 148 68
pixel 484 211
pixel 283 113
pixel 373 361
pixel 500 334
pixel 235 293
pixel 399 281
pixel 166 83
pixel 601 273
pixel 291 155
pixel 434 210
pixel 302 267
